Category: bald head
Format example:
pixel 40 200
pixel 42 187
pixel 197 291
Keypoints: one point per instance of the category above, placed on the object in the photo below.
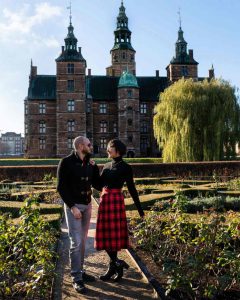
pixel 82 145
pixel 79 140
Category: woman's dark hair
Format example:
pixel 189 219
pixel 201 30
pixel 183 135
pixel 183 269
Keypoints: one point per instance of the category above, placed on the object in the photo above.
pixel 119 146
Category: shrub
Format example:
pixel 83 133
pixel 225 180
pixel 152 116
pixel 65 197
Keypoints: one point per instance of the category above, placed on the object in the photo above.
pixel 26 255
pixel 201 260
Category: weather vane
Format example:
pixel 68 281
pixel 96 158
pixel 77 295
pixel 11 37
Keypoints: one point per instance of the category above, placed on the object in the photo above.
pixel 180 20
pixel 70 8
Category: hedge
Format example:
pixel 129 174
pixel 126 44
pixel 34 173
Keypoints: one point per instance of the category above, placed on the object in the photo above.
pixel 219 204
pixel 13 207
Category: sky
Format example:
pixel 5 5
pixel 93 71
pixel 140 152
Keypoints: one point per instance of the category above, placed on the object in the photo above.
pixel 36 29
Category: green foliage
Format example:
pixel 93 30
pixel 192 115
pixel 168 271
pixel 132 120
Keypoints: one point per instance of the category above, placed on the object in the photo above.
pixel 26 255
pixel 49 178
pixel 200 204
pixel 196 121
pixel 199 260
pixel 234 184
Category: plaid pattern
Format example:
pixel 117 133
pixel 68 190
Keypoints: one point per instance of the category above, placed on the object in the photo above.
pixel 111 228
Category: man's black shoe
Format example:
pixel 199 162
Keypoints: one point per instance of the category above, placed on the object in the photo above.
pixel 79 287
pixel 88 278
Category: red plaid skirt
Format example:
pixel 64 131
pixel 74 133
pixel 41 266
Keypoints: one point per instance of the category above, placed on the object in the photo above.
pixel 111 229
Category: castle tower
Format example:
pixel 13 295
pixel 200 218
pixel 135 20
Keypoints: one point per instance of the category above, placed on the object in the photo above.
pixel 122 53
pixel 70 94
pixel 128 113
pixel 183 63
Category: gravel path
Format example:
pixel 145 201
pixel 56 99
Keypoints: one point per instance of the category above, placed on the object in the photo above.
pixel 132 286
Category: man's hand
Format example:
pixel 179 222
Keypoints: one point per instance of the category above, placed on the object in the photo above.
pixel 76 212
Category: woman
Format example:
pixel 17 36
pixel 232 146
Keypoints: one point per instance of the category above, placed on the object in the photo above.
pixel 111 229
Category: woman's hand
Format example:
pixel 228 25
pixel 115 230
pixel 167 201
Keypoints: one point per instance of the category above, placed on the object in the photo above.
pixel 92 162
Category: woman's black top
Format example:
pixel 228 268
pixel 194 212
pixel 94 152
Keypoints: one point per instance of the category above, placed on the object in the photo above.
pixel 115 174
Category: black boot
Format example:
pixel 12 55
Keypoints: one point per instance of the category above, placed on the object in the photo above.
pixel 110 272
pixel 120 265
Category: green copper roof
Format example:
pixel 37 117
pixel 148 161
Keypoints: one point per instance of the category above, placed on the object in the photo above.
pixel 128 80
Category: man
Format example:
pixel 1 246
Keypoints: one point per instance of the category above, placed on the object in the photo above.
pixel 75 176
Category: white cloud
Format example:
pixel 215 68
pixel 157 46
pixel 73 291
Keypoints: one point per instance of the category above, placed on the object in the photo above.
pixel 19 26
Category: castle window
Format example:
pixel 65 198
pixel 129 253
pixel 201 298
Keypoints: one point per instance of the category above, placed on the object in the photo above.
pixel 129 94
pixel 130 139
pixel 26 108
pixel 42 127
pixel 71 105
pixel 42 108
pixel 71 125
pixel 143 108
pixel 114 127
pixel 70 68
pixel 144 127
pixel 88 107
pixel 42 143
pixel 143 143
pixel 70 143
pixel 103 126
pixel 103 108
pixel 124 54
pixel 184 71
pixel 130 122
pixel 70 85
pixel 103 143
pixel 26 128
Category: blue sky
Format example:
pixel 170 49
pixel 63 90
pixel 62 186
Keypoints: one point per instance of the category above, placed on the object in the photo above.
pixel 36 29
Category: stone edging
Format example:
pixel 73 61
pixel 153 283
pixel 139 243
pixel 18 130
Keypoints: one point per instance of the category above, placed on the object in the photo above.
pixel 158 290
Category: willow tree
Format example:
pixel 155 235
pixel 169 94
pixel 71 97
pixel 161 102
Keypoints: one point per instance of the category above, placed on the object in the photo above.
pixel 197 121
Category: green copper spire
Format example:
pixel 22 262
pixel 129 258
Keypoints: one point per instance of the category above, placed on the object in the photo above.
pixel 122 32
pixel 128 80
pixel 70 52
pixel 181 55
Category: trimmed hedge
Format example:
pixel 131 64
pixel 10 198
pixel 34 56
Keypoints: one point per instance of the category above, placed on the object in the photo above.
pixel 55 161
pixel 219 204
pixel 13 207
pixel 20 196
pixel 147 200
pixel 201 170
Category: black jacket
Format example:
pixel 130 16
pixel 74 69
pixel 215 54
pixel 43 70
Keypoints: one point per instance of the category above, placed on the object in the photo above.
pixel 75 178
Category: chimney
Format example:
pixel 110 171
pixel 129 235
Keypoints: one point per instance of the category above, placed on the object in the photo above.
pixel 190 52
pixel 80 49
pixel 157 73
pixel 62 49
pixel 211 73
pixel 89 72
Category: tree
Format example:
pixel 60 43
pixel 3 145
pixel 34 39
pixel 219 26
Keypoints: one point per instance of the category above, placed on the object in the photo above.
pixel 197 121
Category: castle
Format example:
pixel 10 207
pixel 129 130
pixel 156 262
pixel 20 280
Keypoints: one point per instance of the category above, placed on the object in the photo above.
pixel 120 104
